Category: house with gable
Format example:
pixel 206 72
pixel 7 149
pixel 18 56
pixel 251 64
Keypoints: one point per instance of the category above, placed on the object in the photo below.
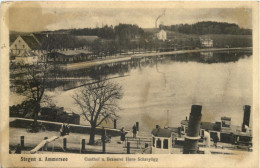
pixel 158 34
pixel 25 49
pixel 162 35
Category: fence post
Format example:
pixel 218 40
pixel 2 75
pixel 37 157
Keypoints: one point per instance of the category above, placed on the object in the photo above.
pixel 114 123
pixel 83 145
pixel 53 146
pixel 103 140
pixel 128 147
pixel 65 143
pixel 22 142
pixel 246 118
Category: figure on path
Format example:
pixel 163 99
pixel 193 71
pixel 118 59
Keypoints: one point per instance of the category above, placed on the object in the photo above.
pixel 215 140
pixel 62 130
pixel 67 129
pixel 122 133
pixel 134 131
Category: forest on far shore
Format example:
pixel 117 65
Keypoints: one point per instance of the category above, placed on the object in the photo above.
pixel 208 27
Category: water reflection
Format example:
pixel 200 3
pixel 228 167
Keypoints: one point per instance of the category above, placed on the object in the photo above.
pixel 221 82
pixel 70 79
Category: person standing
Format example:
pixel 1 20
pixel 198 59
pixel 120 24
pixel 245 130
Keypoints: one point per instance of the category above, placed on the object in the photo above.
pixel 134 131
pixel 122 133
pixel 67 129
pixel 62 129
pixel 215 140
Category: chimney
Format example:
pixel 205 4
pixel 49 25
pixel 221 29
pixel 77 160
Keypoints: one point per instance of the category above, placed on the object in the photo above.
pixel 192 137
pixel 246 118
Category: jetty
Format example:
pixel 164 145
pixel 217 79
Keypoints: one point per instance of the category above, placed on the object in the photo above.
pixel 122 58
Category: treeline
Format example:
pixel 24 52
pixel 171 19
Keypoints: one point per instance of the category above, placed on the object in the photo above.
pixel 208 27
pixel 125 38
pixel 126 31
pixel 60 41
pixel 106 32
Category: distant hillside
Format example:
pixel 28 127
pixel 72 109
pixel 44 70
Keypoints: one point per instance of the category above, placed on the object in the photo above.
pixel 208 28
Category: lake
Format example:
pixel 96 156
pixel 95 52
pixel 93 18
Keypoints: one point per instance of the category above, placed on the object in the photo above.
pixel 157 87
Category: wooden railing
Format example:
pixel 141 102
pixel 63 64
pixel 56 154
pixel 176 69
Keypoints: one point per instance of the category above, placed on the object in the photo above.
pixel 138 142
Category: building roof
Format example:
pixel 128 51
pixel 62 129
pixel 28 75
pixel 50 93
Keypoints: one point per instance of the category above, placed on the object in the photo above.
pixel 31 42
pixel 74 52
pixel 226 118
pixel 162 132
pixel 40 37
pixel 68 53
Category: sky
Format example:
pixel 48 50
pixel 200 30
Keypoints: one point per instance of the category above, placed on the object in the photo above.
pixel 38 18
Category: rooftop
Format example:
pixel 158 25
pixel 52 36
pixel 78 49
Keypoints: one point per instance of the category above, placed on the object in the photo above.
pixel 74 52
pixel 162 132
pixel 226 118
pixel 31 42
pixel 40 37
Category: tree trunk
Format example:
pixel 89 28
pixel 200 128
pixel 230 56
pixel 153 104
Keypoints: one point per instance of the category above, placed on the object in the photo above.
pixel 35 112
pixel 92 135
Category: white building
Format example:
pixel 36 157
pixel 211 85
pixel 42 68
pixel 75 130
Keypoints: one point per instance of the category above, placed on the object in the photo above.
pixel 162 35
pixel 25 49
pixel 206 42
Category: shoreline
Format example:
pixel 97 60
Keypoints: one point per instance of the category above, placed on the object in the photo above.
pixel 80 65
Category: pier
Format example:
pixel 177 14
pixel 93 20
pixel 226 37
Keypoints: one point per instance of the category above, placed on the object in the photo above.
pixel 121 58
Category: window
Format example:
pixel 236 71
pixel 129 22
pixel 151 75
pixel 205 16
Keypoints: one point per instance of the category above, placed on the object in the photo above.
pixel 23 46
pixel 165 144
pixel 159 143
pixel 153 141
pixel 15 46
pixel 202 133
pixel 18 51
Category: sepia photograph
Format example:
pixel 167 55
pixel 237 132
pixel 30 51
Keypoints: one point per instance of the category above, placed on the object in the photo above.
pixel 94 80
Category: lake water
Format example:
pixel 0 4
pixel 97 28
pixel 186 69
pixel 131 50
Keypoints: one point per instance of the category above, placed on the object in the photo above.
pixel 221 82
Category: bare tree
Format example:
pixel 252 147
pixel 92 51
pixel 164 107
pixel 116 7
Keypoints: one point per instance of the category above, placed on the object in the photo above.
pixel 98 102
pixel 31 84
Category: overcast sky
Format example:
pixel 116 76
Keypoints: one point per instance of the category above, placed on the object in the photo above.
pixel 38 19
